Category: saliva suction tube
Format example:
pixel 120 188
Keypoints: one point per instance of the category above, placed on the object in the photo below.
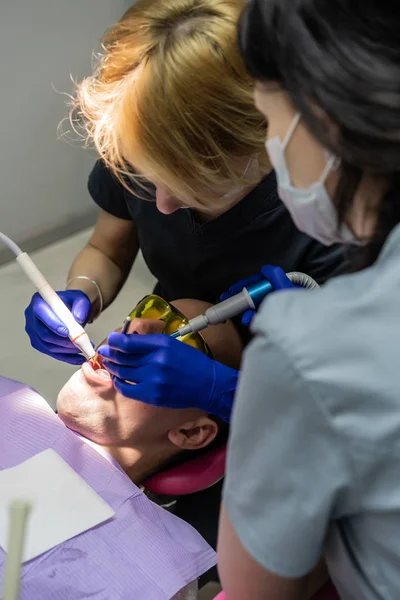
pixel 248 299
pixel 76 332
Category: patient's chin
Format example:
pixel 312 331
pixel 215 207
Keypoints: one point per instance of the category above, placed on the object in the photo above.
pixel 91 428
pixel 83 411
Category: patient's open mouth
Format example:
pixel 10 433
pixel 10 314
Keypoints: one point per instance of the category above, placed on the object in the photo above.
pixel 96 362
pixel 94 372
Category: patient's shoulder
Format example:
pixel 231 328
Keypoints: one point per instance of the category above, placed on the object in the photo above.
pixel 10 386
pixel 18 400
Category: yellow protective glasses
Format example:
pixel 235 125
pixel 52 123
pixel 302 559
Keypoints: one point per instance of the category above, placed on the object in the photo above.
pixel 155 307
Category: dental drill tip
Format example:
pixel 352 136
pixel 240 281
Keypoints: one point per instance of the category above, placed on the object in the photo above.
pixel 96 362
pixel 175 334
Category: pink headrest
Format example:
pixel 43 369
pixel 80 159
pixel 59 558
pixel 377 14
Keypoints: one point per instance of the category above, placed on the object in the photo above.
pixel 190 477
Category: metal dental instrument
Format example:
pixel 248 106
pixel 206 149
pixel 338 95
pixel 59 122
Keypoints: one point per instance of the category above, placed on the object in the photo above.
pixel 249 298
pixel 96 359
pixel 125 325
pixel 19 511
pixel 76 333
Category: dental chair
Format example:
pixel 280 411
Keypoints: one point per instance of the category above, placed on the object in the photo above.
pixel 200 474
pixel 327 592
pixel 192 491
pixel 194 476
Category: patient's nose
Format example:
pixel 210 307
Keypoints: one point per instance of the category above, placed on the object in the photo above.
pixel 145 326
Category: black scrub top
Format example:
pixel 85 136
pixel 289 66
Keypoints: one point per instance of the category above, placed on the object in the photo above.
pixel 195 259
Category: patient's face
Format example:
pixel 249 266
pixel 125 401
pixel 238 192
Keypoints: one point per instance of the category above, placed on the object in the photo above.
pixel 89 404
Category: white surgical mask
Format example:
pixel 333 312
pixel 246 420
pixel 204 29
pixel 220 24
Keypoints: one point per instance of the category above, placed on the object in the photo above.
pixel 311 209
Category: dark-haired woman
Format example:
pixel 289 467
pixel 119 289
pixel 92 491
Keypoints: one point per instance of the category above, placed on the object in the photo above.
pixel 314 460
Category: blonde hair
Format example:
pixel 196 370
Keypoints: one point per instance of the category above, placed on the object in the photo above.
pixel 171 97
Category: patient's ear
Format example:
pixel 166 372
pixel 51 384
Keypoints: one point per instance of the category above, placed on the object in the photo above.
pixel 194 435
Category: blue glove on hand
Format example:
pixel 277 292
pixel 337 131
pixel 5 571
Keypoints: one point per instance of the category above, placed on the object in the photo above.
pixel 168 373
pixel 48 334
pixel 275 275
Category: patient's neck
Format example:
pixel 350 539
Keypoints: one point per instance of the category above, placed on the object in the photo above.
pixel 138 461
pixel 141 463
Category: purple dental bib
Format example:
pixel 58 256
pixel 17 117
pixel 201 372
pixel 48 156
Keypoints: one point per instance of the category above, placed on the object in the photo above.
pixel 142 553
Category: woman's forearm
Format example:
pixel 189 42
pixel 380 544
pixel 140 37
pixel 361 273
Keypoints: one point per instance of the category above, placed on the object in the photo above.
pixel 101 268
pixel 96 266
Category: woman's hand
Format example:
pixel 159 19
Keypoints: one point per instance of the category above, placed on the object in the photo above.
pixel 168 373
pixel 48 334
pixel 275 275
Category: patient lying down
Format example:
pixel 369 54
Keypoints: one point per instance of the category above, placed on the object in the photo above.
pixel 143 552
pixel 140 437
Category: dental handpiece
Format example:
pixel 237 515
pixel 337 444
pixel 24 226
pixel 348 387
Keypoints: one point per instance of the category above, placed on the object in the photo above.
pixel 248 299
pixel 76 332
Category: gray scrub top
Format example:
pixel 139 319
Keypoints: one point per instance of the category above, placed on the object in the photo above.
pixel 314 451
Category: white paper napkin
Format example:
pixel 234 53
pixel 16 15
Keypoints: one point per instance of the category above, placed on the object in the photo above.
pixel 64 505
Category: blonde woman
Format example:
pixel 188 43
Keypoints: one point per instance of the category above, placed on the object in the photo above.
pixel 170 111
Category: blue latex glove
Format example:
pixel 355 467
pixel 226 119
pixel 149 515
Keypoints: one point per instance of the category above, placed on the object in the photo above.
pixel 275 275
pixel 48 334
pixel 169 373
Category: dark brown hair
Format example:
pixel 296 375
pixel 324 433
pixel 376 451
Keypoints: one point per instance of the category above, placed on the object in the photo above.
pixel 344 57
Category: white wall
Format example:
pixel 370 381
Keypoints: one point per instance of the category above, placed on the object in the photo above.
pixel 42 42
